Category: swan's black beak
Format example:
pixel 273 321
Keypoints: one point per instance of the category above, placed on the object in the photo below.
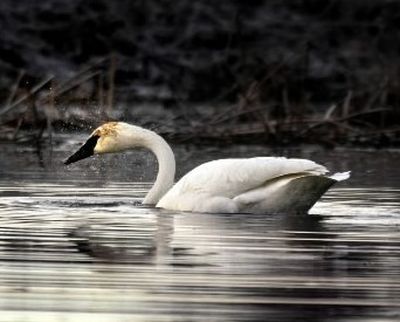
pixel 84 151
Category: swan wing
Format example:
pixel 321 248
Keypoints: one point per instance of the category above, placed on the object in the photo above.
pixel 229 178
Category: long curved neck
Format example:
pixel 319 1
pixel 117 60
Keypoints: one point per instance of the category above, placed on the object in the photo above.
pixel 166 166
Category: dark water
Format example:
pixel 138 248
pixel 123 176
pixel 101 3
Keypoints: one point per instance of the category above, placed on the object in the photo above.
pixel 75 245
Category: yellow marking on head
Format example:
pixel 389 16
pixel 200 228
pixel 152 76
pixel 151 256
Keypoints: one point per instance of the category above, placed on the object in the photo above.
pixel 107 129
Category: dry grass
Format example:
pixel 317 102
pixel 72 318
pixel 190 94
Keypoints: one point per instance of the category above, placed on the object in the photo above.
pixel 266 111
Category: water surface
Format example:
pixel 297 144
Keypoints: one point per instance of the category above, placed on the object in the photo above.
pixel 76 245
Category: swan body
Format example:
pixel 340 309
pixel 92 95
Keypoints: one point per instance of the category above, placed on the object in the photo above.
pixel 253 185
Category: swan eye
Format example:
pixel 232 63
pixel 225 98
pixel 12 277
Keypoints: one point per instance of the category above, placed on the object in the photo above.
pixel 85 151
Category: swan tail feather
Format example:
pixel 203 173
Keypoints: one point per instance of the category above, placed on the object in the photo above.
pixel 340 176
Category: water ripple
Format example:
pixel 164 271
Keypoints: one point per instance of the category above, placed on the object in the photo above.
pixel 77 249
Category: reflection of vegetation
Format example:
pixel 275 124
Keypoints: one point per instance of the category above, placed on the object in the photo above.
pixel 265 71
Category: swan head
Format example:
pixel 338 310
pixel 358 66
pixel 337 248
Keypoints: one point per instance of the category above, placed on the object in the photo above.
pixel 108 138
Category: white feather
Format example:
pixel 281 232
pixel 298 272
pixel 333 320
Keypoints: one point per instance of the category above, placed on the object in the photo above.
pixel 239 185
pixel 231 177
pixel 340 176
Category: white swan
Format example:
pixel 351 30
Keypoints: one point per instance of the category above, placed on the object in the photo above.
pixel 254 185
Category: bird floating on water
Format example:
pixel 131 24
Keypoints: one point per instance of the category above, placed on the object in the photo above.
pixel 252 185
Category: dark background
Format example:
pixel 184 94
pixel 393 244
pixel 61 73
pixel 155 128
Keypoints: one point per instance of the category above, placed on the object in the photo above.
pixel 306 69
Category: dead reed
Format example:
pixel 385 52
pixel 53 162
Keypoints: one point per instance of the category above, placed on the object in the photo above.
pixel 33 115
pixel 266 111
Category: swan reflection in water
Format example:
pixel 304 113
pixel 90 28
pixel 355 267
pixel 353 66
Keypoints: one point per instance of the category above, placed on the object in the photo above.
pixel 197 239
